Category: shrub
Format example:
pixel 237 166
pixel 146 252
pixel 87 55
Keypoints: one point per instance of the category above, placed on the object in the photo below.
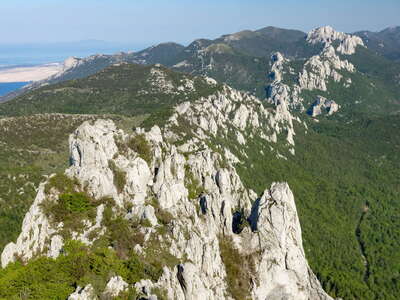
pixel 163 216
pixel 122 234
pixel 61 183
pixel 71 209
pixel 238 269
pixel 75 202
pixel 192 184
pixel 119 176
pixel 140 145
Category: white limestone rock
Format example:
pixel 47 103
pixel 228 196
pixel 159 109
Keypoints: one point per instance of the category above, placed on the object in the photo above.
pixel 327 35
pixel 35 233
pixel 91 148
pixel 86 293
pixel 282 272
pixel 323 105
pixel 115 286
pixel 319 68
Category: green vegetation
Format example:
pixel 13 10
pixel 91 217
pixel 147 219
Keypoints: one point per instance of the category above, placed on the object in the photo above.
pixel 345 176
pixel 192 184
pixel 45 278
pixel 72 207
pixel 163 216
pixel 111 254
pixel 238 269
pixel 140 145
pixel 119 176
pixel 30 147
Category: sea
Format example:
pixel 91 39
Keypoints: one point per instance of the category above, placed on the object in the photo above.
pixel 10 60
pixel 7 87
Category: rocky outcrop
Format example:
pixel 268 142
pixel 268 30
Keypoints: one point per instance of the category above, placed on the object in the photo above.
pixel 189 178
pixel 279 93
pixel 115 286
pixel 86 293
pixel 282 271
pixel 37 235
pixel 323 105
pixel 327 35
pixel 316 72
pixel 320 68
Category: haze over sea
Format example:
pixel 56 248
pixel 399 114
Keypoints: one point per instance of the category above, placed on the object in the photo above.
pixel 36 54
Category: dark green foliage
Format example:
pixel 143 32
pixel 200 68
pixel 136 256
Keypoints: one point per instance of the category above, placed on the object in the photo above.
pixel 385 42
pixel 71 209
pixel 47 279
pixel 140 145
pixel 121 233
pixel 74 202
pixel 238 269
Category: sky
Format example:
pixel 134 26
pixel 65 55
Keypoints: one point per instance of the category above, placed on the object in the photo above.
pixel 152 21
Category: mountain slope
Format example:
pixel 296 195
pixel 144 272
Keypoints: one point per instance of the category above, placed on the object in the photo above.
pixel 126 89
pixel 385 42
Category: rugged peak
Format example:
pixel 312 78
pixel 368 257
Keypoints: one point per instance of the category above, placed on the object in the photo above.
pixel 327 35
pixel 324 34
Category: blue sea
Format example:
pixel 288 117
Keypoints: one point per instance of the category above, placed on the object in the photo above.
pixel 6 87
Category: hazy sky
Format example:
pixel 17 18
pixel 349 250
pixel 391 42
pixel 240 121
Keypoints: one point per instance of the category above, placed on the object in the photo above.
pixel 151 21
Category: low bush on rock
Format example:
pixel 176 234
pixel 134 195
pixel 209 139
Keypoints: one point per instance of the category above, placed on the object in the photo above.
pixel 140 145
pixel 238 269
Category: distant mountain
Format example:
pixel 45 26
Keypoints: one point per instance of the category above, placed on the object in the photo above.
pixel 246 54
pixel 241 60
pixel 385 42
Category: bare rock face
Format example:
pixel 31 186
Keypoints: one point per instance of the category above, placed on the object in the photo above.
pixel 203 223
pixel 91 148
pixel 319 68
pixel 283 272
pixel 323 105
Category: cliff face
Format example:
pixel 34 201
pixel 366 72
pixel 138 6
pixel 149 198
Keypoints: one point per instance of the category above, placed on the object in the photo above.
pixel 219 233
